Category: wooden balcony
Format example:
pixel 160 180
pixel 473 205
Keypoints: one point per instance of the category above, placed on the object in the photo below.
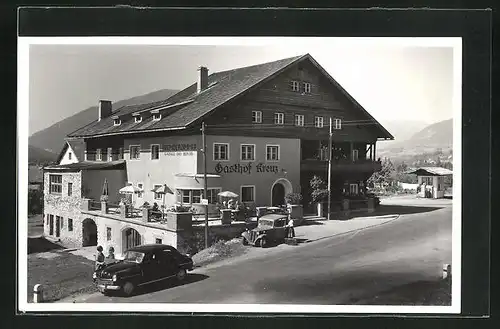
pixel 360 165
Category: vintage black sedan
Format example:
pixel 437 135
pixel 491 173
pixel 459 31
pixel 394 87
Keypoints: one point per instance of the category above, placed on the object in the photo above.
pixel 142 265
pixel 270 228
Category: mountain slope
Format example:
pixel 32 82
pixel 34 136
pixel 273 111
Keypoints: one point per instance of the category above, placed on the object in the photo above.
pixel 38 156
pixel 436 136
pixel 51 139
pixel 401 130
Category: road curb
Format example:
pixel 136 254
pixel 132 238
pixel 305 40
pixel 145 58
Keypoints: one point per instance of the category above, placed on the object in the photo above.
pixel 357 229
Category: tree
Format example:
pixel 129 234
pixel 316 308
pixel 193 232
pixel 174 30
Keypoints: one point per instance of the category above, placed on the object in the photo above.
pixel 386 175
pixel 319 190
pixel 35 202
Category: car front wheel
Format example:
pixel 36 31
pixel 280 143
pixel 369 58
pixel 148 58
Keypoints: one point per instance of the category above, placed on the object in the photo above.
pixel 263 242
pixel 181 275
pixel 245 242
pixel 128 288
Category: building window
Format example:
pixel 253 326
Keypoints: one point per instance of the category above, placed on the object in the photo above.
pixel 427 180
pixel 337 124
pixel 70 224
pixel 221 152
pixel 155 152
pixel 157 195
pixel 257 116
pixel 186 196
pixel 279 118
pixel 69 155
pixel 138 118
pixel 98 155
pixel 318 122
pixel 295 86
pixel 140 186
pixel 353 189
pixel 248 193
pixel 299 120
pixel 158 241
pixel 135 152
pixel 110 154
pixel 196 196
pixel 62 222
pixel 108 233
pixel 117 122
pixel 307 87
pixel 355 154
pixel 212 196
pixel 55 184
pixel 272 152
pixel 120 153
pixel 70 189
pixel 247 152
pixel 156 116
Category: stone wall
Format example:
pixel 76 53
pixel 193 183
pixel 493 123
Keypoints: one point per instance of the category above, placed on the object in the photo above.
pixel 149 232
pixel 66 207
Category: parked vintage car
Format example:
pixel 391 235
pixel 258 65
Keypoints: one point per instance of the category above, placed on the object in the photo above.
pixel 143 265
pixel 270 228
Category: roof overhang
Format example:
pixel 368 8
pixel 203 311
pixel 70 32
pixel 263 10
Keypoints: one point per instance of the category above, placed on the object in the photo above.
pixel 438 171
pixel 88 165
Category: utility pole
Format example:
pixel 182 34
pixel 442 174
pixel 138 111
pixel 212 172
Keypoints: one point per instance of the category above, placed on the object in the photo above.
pixel 330 170
pixel 205 192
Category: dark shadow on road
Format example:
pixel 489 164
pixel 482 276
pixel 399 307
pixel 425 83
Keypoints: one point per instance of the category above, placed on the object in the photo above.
pixel 334 289
pixel 417 293
pixel 169 283
pixel 449 197
pixel 41 245
pixel 385 210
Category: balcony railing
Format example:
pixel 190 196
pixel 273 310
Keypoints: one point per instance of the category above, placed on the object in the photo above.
pixel 341 164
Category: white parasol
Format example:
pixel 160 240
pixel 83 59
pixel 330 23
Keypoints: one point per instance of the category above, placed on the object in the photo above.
pixel 130 189
pixel 228 194
pixel 163 189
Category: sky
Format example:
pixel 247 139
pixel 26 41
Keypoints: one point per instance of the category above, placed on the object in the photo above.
pixel 392 82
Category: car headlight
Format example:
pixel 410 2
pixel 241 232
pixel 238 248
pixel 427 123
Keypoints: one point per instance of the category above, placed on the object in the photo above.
pixel 94 275
pixel 115 278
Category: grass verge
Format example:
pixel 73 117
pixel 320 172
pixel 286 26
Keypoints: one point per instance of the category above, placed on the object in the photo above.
pixel 62 274
pixel 219 251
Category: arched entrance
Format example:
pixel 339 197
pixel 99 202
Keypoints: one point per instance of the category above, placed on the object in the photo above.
pixel 130 238
pixel 89 233
pixel 279 190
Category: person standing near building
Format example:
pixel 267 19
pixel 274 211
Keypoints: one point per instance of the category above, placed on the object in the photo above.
pixel 290 229
pixel 111 253
pixel 99 261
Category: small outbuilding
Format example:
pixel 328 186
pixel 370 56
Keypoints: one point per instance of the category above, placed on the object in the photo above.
pixel 431 181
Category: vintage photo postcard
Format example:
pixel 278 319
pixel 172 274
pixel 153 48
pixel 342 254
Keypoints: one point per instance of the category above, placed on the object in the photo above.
pixel 240 174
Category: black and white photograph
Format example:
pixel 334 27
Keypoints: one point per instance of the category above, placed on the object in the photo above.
pixel 240 174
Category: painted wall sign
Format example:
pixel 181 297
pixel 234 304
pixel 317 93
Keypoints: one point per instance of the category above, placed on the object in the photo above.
pixel 246 168
pixel 168 148
pixel 179 153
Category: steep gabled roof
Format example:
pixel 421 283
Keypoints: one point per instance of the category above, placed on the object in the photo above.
pixel 431 171
pixel 78 147
pixel 187 106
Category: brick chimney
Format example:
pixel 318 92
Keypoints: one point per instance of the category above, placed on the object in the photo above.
pixel 104 109
pixel 202 79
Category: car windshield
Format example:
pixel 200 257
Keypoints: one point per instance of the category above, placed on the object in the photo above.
pixel 265 222
pixel 133 256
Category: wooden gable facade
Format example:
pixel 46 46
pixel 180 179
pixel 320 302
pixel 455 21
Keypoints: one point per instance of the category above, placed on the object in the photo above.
pixel 278 96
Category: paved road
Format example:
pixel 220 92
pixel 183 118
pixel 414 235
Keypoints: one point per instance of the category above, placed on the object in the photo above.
pixel 337 270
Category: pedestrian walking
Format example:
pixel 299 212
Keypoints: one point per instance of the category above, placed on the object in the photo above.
pixel 290 229
pixel 99 261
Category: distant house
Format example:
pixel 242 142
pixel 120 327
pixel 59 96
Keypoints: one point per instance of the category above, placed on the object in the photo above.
pixel 431 181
